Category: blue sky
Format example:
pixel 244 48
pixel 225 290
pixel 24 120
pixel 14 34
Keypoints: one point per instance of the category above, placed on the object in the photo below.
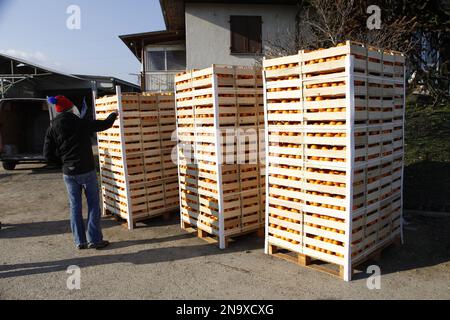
pixel 36 30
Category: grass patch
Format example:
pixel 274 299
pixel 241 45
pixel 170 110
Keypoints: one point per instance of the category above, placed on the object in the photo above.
pixel 427 157
pixel 427 133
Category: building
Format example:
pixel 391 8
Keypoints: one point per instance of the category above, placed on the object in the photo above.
pixel 22 79
pixel 24 112
pixel 200 33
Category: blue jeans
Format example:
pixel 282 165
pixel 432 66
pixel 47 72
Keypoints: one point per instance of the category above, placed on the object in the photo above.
pixel 75 186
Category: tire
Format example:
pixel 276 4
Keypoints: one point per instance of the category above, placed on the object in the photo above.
pixel 7 165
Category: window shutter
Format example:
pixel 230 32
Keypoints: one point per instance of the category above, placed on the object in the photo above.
pixel 246 34
pixel 238 34
pixel 254 25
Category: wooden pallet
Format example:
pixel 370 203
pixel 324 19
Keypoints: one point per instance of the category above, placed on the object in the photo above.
pixel 166 215
pixel 214 238
pixel 138 174
pixel 334 150
pixel 221 190
pixel 327 267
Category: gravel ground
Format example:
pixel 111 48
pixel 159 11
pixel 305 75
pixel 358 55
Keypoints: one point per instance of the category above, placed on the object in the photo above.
pixel 159 261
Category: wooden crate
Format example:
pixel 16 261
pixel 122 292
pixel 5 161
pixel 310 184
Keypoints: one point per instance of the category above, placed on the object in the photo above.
pixel 221 190
pixel 138 174
pixel 334 153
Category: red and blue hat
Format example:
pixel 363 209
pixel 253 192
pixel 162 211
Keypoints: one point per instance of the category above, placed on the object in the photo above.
pixel 61 103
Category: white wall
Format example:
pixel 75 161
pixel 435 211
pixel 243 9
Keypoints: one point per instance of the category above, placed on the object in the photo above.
pixel 208 31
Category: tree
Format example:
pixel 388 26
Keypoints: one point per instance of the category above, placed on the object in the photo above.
pixel 418 29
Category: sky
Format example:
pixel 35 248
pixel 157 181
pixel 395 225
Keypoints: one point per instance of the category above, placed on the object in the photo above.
pixel 37 31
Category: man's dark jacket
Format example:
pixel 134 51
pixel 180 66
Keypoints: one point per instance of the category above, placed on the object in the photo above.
pixel 68 140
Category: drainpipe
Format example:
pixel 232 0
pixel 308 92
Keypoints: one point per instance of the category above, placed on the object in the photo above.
pixel 144 68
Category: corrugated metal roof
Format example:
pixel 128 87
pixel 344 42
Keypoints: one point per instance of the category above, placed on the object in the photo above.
pixel 35 65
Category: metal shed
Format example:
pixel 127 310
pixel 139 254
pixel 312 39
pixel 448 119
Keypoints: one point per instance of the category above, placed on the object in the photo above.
pixel 22 79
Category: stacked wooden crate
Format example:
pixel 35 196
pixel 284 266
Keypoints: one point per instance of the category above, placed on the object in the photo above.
pixel 138 174
pixel 221 189
pixel 334 142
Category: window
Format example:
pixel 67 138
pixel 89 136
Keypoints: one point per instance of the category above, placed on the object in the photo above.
pixel 157 60
pixel 163 59
pixel 246 34
pixel 176 60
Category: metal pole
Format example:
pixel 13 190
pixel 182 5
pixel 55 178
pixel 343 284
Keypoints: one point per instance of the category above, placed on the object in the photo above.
pixel 124 156
pixel 266 162
pixel 402 222
pixel 94 97
pixel 218 142
pixel 144 67
pixel 350 154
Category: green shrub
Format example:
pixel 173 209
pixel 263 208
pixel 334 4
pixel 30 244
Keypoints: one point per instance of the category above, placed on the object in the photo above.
pixel 427 133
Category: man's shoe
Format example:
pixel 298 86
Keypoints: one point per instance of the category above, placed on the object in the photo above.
pixel 82 246
pixel 99 245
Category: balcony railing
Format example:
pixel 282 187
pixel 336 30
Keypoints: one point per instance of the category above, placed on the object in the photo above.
pixel 160 81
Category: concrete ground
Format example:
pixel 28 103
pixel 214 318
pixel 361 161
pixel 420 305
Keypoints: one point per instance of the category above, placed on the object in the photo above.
pixel 159 261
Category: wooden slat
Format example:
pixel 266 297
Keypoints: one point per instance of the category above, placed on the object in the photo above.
pixel 148 121
pixel 306 97
pixel 228 96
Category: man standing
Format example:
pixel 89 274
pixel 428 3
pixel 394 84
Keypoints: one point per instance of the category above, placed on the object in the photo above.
pixel 68 140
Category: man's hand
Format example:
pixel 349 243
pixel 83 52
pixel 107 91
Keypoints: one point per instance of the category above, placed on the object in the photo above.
pixel 113 116
pixel 102 125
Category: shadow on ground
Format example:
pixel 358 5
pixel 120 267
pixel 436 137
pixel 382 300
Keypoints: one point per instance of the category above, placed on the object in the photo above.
pixel 4 175
pixel 41 228
pixel 143 257
pixel 427 243
pixel 427 186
